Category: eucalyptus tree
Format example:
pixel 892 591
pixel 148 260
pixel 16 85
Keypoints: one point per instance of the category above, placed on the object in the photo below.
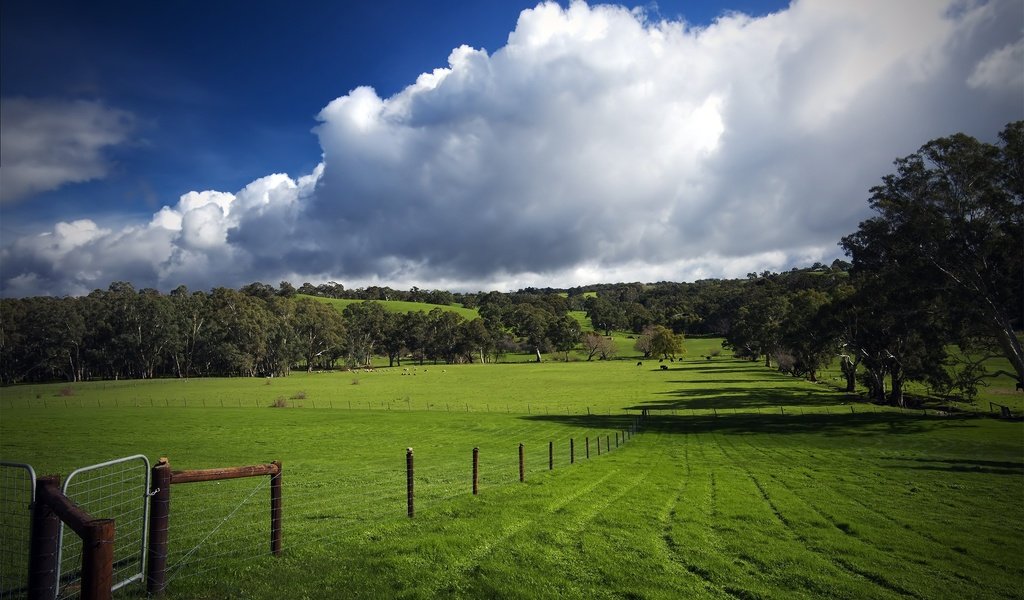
pixel 564 333
pixel 365 325
pixel 952 218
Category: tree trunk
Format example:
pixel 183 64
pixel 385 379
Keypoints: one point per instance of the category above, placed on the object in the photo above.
pixel 768 360
pixel 896 395
pixel 849 368
pixel 876 385
pixel 1011 348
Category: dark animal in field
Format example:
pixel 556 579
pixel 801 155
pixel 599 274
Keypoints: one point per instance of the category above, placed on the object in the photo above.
pixel 708 357
pixel 661 360
pixel 1020 386
pixel 639 364
pixel 664 367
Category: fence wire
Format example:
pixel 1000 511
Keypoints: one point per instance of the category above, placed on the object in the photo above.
pixel 17 493
pixel 214 520
pixel 117 490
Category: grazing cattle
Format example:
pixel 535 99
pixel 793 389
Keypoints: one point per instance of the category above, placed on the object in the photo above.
pixel 664 367
pixel 639 364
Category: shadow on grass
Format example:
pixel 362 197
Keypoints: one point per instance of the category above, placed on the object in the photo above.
pixel 744 397
pixel 753 379
pixel 960 465
pixel 865 424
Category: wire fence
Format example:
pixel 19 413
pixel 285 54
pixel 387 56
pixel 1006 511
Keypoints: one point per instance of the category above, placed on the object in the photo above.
pixel 17 493
pixel 118 490
pixel 224 525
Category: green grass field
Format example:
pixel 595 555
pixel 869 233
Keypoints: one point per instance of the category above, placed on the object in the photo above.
pixel 744 483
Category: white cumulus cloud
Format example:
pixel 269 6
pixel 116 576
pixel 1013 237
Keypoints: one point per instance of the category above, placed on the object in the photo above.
pixel 597 144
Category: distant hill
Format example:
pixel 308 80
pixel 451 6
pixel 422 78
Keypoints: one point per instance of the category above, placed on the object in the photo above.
pixel 399 306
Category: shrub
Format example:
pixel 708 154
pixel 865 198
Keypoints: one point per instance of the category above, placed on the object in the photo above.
pixel 66 391
pixel 299 396
pixel 280 402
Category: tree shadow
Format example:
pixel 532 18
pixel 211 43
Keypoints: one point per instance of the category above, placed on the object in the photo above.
pixel 743 397
pixel 863 424
pixel 960 465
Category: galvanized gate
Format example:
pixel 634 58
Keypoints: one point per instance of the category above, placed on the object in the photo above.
pixel 117 489
pixel 17 493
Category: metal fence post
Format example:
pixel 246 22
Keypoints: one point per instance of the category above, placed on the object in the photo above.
pixel 551 456
pixel 572 452
pixel 476 471
pixel 522 465
pixel 410 492
pixel 276 510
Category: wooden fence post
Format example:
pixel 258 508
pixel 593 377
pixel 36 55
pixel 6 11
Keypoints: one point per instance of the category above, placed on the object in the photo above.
pixel 476 471
pixel 276 510
pixel 551 456
pixel 522 465
pixel 43 548
pixel 159 520
pixel 616 439
pixel 588 447
pixel 599 445
pixel 572 452
pixel 98 560
pixel 410 492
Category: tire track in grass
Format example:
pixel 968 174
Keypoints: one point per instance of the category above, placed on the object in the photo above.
pixel 954 557
pixel 472 558
pixel 875 578
pixel 672 547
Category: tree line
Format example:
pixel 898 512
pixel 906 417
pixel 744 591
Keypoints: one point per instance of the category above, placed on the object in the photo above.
pixel 934 286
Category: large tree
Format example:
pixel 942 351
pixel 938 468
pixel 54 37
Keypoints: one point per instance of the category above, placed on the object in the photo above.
pixel 953 214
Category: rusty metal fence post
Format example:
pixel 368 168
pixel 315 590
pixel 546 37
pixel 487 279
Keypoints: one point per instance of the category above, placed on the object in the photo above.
pixel 476 471
pixel 410 492
pixel 276 510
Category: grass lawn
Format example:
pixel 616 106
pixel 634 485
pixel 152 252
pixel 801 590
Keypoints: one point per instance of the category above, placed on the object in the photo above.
pixel 745 483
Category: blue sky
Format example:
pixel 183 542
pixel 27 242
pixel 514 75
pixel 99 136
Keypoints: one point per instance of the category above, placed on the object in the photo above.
pixel 503 171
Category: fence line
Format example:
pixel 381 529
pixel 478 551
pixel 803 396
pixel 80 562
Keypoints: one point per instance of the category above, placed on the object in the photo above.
pixel 201 543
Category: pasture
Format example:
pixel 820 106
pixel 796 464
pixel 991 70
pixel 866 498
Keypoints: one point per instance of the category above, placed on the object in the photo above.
pixel 744 483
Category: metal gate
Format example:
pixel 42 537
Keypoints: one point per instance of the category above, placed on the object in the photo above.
pixel 116 489
pixel 17 493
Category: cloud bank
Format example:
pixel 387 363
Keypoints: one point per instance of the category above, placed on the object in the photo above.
pixel 49 143
pixel 598 144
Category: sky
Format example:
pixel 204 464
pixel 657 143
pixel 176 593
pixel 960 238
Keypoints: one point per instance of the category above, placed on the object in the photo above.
pixel 469 145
